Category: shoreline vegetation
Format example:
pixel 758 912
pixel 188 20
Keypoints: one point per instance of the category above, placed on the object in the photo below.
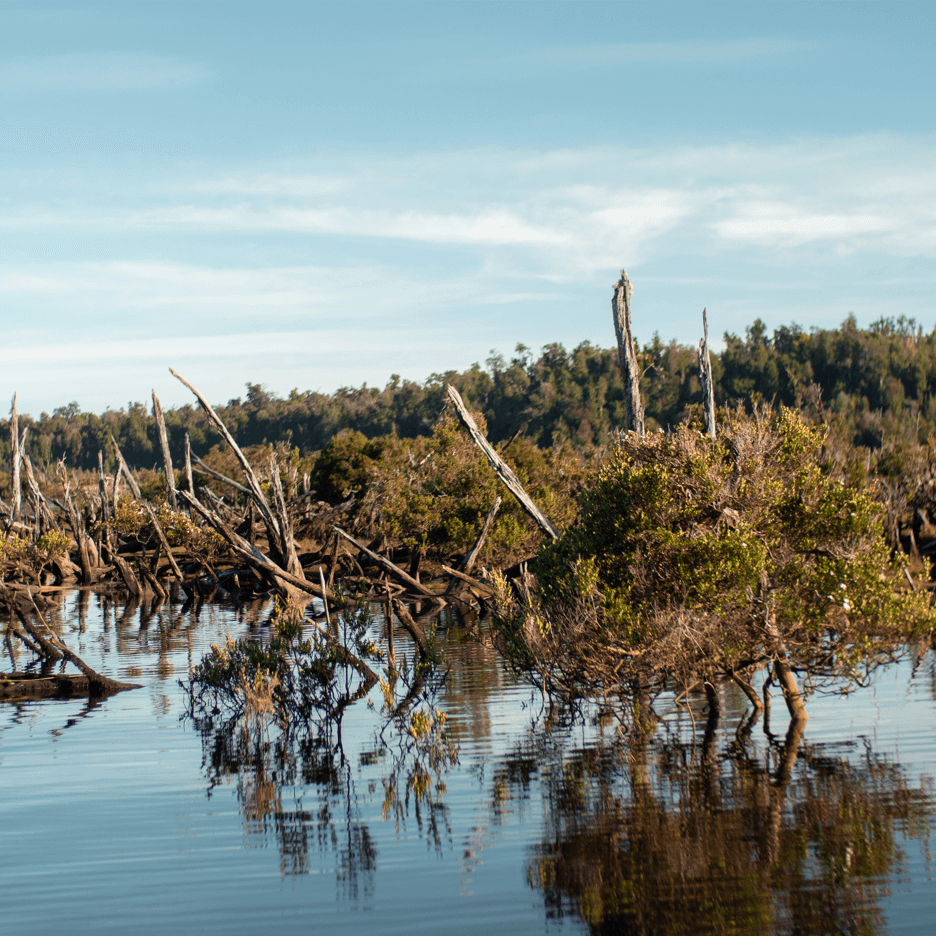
pixel 665 521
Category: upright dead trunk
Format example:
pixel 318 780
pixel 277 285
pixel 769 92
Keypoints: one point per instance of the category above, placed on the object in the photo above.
pixel 705 376
pixel 627 353
pixel 16 495
pixel 167 459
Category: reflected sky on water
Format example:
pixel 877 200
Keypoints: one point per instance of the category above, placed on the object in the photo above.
pixel 123 813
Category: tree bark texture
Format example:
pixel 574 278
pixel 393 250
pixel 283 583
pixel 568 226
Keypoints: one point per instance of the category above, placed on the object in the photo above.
pixel 705 377
pixel 627 354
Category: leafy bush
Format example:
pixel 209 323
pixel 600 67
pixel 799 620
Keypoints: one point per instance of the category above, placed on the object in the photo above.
pixel 131 519
pixel 693 557
pixel 435 492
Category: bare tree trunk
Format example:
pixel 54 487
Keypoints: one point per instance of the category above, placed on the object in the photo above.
pixel 167 458
pixel 501 468
pixel 287 545
pixel 102 486
pixel 705 376
pixel 784 673
pixel 16 494
pixel 188 466
pixel 627 353
pixel 131 481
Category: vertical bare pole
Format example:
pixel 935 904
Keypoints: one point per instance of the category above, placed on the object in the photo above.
pixel 190 484
pixel 705 376
pixel 115 488
pixel 627 353
pixel 102 485
pixel 167 460
pixel 16 494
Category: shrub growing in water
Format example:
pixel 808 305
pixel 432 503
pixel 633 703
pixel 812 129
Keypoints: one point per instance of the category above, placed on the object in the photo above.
pixel 694 558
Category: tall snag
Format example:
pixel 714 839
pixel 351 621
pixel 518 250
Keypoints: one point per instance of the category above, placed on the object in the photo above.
pixel 627 353
pixel 705 377
pixel 167 458
pixel 16 494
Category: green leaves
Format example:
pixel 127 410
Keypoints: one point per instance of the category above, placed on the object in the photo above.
pixel 691 553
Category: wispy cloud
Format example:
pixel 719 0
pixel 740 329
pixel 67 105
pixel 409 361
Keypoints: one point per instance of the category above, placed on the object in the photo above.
pixel 428 261
pixel 557 213
pixel 81 73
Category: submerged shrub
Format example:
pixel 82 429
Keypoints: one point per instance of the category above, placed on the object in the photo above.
pixel 693 557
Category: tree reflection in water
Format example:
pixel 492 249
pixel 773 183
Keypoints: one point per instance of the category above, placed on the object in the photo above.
pixel 656 837
pixel 280 757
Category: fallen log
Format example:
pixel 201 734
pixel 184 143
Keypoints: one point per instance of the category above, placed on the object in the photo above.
pixel 55 648
pixel 25 687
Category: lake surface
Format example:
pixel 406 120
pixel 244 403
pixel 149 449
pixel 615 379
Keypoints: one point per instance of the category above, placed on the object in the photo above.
pixel 125 815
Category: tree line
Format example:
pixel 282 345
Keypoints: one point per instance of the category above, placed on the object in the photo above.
pixel 875 383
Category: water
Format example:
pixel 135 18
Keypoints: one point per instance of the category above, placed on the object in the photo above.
pixel 122 815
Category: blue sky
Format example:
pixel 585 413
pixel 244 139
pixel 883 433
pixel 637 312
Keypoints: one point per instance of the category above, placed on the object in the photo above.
pixel 313 195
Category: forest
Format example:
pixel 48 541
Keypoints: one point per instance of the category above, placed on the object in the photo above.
pixel 875 385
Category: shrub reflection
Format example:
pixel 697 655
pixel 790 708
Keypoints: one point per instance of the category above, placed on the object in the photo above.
pixel 658 838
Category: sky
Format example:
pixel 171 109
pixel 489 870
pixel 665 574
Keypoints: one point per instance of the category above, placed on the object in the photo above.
pixel 310 196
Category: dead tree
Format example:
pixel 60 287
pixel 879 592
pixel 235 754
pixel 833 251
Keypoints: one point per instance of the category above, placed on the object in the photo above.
pixel 705 377
pixel 627 353
pixel 501 468
pixel 16 494
pixel 167 458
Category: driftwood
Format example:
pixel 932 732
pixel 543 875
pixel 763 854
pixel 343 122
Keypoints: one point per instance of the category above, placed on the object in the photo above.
pixel 501 468
pixel 627 354
pixel 705 377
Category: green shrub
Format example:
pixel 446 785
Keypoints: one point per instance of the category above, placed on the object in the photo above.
pixel 693 557
pixel 435 492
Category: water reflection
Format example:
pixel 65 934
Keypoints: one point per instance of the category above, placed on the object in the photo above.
pixel 772 835
pixel 298 785
pixel 704 829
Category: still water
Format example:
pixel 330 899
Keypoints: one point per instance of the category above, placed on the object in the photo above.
pixel 125 815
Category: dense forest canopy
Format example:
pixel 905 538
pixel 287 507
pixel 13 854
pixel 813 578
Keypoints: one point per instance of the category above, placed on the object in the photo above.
pixel 876 383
